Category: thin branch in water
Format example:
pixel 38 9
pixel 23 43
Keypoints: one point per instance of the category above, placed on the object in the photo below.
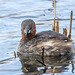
pixel 72 66
pixel 15 54
pixel 41 63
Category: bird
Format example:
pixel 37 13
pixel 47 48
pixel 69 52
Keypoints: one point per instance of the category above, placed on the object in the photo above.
pixel 51 42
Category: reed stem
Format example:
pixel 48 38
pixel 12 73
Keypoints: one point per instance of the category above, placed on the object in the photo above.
pixel 57 27
pixel 54 14
pixel 70 25
pixel 65 31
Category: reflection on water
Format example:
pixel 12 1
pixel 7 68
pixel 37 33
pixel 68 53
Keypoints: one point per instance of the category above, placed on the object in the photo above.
pixel 37 65
pixel 12 13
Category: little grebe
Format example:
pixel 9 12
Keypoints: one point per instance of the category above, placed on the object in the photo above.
pixel 54 43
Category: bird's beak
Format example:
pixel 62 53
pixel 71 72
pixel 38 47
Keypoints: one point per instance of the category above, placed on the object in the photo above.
pixel 27 32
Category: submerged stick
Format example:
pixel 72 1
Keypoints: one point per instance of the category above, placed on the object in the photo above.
pixel 15 54
pixel 54 14
pixel 41 62
pixel 70 24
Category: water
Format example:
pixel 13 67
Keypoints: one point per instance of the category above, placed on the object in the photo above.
pixel 12 13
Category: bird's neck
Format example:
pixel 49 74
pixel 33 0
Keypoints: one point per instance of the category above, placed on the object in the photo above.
pixel 29 37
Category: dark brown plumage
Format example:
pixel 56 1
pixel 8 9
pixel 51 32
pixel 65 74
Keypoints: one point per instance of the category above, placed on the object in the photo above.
pixel 54 44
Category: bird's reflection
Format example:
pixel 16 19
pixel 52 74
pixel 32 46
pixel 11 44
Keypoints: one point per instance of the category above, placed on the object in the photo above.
pixel 35 64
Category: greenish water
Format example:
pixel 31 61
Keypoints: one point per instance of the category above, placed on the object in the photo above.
pixel 12 13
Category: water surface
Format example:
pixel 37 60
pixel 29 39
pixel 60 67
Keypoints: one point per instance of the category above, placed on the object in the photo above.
pixel 12 13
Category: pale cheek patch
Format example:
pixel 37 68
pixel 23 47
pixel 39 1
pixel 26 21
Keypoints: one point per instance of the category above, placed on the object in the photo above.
pixel 24 31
